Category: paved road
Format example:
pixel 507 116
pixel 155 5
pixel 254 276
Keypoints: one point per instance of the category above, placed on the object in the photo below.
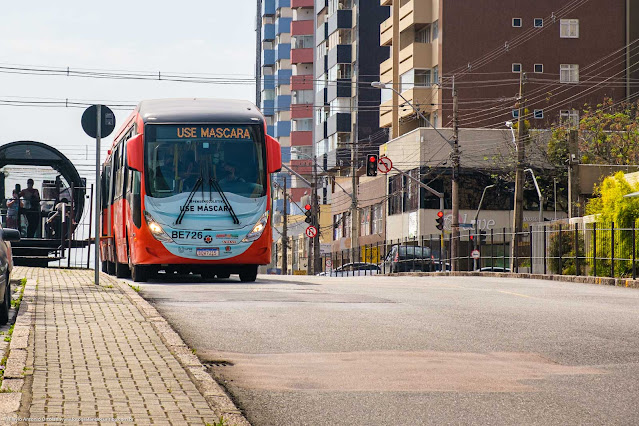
pixel 409 351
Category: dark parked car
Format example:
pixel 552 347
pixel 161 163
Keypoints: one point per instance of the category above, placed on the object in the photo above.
pixel 6 266
pixel 408 259
pixel 357 269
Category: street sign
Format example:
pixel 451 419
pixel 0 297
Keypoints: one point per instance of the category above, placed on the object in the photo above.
pixel 311 231
pixel 329 263
pixel 385 165
pixel 90 121
pixel 475 254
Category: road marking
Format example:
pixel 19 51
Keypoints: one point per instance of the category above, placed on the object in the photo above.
pixel 516 294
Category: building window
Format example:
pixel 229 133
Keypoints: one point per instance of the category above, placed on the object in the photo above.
pixel 414 78
pixel 303 125
pixel 302 42
pixel 516 67
pixel 376 219
pixel 337 226
pixel 539 22
pixel 569 28
pixel 341 36
pixel 423 35
pixel 515 113
pixel 517 22
pixel 434 29
pixel 539 68
pixel 569 73
pixel 569 117
pixel 538 114
pixel 435 74
pixel 365 222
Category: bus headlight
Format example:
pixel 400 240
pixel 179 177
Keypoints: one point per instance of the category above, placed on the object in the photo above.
pixel 257 230
pixel 156 229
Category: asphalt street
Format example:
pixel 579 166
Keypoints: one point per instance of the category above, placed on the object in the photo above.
pixel 410 351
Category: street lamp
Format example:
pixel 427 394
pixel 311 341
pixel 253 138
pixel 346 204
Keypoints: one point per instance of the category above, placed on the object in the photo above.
pixel 481 201
pixel 456 166
pixel 541 203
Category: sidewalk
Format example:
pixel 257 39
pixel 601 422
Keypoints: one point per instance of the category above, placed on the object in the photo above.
pixel 97 355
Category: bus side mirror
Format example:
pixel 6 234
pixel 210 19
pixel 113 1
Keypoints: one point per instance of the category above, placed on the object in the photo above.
pixel 273 155
pixel 135 153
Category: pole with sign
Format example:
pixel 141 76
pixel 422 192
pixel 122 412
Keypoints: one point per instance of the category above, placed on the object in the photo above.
pixel 98 121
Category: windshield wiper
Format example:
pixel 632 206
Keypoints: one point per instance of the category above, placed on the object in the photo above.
pixel 218 188
pixel 178 221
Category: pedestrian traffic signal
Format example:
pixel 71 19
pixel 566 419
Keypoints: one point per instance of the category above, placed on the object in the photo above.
pixel 482 237
pixel 309 214
pixel 371 165
pixel 440 220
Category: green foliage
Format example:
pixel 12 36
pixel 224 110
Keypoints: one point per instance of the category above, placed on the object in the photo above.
pixel 562 251
pixel 612 208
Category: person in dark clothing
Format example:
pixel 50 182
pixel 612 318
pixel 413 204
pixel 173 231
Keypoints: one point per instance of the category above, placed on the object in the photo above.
pixel 31 202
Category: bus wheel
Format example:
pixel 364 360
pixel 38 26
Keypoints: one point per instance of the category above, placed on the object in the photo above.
pixel 248 274
pixel 110 268
pixel 121 270
pixel 207 275
pixel 139 273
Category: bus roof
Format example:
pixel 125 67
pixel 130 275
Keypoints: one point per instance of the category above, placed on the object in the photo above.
pixel 199 110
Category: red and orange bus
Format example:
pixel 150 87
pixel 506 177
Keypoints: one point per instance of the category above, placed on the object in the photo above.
pixel 186 188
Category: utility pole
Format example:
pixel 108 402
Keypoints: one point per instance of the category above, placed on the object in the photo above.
pixel 518 216
pixel 285 234
pixel 317 258
pixel 454 249
pixel 354 215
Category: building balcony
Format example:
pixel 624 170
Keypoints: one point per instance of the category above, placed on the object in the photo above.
pixel 268 58
pixel 343 88
pixel 302 56
pixel 321 33
pixel 320 5
pixel 320 131
pixel 386 70
pixel 386 114
pixel 302 111
pixel 321 97
pixel 282 103
pixel 340 19
pixel 283 77
pixel 302 82
pixel 270 130
pixel 417 12
pixel 283 25
pixel 268 7
pixel 268 32
pixel 386 32
pixel 418 55
pixel 302 167
pixel 268 82
pixel 301 138
pixel 282 3
pixel 321 66
pixel 340 122
pixel 268 107
pixel 340 54
pixel 283 51
pixel 282 129
pixel 306 27
pixel 423 97
pixel 301 3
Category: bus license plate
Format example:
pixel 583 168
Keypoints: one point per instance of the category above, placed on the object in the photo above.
pixel 208 252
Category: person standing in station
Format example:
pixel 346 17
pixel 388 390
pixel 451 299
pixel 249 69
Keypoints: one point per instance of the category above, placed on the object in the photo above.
pixel 31 198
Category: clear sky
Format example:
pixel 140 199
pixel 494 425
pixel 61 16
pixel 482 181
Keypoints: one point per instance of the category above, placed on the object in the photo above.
pixel 214 37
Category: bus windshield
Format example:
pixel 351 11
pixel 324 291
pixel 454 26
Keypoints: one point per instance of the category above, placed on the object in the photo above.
pixel 177 156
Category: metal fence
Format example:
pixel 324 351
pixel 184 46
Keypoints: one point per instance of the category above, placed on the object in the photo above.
pixel 594 249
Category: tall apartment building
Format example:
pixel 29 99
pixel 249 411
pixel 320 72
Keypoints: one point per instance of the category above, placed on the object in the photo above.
pixel 302 30
pixel 572 52
pixel 347 58
pixel 276 71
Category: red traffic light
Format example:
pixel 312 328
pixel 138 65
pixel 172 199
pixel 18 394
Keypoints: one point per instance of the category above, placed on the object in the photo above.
pixel 440 214
pixel 307 207
pixel 372 159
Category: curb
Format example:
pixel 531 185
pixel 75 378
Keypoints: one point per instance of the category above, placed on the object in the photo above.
pixel 19 364
pixel 213 393
pixel 616 282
